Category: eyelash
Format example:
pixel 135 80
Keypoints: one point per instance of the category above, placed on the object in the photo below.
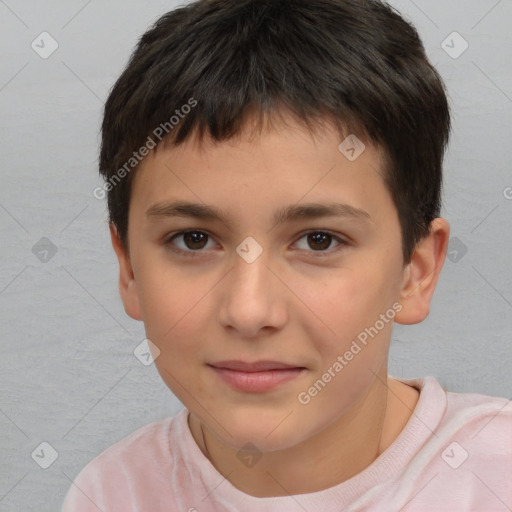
pixel 195 253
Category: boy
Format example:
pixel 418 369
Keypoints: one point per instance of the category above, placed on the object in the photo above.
pixel 273 171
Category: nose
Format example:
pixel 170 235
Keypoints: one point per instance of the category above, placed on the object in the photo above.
pixel 252 298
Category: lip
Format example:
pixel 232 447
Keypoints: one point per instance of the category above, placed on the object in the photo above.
pixel 257 366
pixel 257 377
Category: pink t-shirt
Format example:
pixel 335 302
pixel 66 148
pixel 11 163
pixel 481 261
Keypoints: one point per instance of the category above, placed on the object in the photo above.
pixel 454 454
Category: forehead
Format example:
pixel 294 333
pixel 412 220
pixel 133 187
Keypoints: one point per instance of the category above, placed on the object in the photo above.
pixel 282 164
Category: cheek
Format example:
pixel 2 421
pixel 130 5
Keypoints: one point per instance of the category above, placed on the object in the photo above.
pixel 352 345
pixel 172 301
pixel 175 308
pixel 348 303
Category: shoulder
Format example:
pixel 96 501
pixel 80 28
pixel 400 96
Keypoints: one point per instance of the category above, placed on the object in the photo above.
pixel 145 456
pixel 479 417
pixel 467 430
pixel 149 441
pixel 475 438
pixel 482 422
pixel 465 460
pixel 480 428
pixel 485 417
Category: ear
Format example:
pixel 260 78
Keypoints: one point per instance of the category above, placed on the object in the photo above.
pixel 421 274
pixel 127 285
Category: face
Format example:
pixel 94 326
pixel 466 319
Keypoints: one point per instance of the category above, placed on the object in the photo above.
pixel 273 312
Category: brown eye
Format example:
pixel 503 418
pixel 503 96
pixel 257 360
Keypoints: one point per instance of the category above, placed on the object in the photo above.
pixel 319 240
pixel 188 242
pixel 320 243
pixel 195 239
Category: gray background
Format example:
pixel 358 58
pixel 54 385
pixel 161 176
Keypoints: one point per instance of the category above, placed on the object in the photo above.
pixel 69 376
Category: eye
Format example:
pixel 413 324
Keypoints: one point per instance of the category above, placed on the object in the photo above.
pixel 320 241
pixel 192 241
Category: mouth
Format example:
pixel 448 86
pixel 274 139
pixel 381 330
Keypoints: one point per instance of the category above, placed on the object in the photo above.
pixel 256 377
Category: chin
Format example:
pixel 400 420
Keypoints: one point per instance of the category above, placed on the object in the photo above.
pixel 267 436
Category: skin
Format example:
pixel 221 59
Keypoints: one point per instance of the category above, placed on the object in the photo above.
pixel 289 305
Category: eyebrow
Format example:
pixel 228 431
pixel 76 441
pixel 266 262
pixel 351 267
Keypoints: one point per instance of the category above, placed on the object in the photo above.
pixel 281 216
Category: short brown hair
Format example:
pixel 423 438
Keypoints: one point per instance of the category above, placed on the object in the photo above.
pixel 357 62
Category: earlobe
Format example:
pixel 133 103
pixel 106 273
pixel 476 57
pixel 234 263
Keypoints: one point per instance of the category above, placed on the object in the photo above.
pixel 421 274
pixel 127 285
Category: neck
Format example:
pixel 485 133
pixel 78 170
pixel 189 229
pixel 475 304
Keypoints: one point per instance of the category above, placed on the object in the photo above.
pixel 340 451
